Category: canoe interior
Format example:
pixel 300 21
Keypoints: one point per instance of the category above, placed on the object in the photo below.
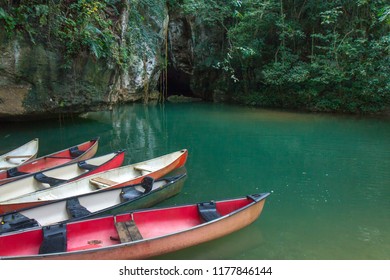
pixel 107 162
pixel 93 203
pixel 49 161
pixel 66 173
pixel 19 155
pixel 56 159
pixel 101 232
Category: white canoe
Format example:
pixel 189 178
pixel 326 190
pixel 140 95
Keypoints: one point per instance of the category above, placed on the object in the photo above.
pixel 19 155
pixel 106 202
pixel 114 178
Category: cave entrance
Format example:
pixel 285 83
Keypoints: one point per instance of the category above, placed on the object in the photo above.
pixel 177 83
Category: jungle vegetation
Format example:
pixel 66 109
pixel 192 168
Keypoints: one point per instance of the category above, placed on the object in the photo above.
pixel 306 54
pixel 303 54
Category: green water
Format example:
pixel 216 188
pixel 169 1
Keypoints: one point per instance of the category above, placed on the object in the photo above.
pixel 329 175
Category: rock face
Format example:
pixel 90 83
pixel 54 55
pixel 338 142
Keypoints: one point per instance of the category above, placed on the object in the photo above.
pixel 181 43
pixel 192 44
pixel 34 83
pixel 12 91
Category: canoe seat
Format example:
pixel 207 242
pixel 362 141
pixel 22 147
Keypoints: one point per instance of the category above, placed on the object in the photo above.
pixel 13 172
pixel 102 182
pixel 75 152
pixel 16 221
pixel 128 231
pixel 83 165
pixel 130 193
pixel 208 211
pixel 54 239
pixel 75 209
pixel 143 168
pixel 40 177
pixel 147 183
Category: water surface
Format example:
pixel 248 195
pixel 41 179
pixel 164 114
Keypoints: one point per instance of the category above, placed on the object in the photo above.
pixel 329 175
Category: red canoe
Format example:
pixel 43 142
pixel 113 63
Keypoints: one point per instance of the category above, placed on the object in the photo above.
pixel 136 235
pixel 76 153
pixel 53 177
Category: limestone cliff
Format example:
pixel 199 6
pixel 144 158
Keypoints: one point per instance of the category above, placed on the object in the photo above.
pixel 35 84
pixel 192 48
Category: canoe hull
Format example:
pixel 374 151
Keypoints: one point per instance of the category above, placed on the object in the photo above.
pixel 149 247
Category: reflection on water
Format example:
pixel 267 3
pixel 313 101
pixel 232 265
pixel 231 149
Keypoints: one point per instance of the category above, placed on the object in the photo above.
pixel 136 128
pixel 329 175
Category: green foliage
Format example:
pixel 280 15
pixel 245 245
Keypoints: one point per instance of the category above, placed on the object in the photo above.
pixel 144 13
pixel 317 55
pixel 84 25
pixel 8 21
pixel 327 56
pixel 384 14
pixel 77 26
pixel 23 18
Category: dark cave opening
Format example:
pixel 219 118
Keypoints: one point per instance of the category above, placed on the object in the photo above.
pixel 178 82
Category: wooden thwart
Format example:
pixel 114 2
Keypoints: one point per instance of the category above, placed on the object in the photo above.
pixel 48 197
pixel 146 168
pixel 128 231
pixel 10 157
pixel 102 182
